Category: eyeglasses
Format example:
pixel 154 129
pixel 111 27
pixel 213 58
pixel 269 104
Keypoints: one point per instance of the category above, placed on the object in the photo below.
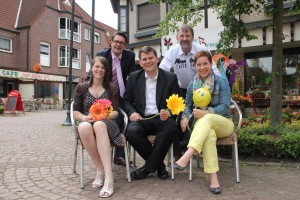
pixel 119 42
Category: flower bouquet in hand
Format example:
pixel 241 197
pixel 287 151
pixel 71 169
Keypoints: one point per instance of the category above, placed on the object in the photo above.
pixel 100 109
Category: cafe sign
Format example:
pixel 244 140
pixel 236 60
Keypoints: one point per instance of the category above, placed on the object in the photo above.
pixel 29 75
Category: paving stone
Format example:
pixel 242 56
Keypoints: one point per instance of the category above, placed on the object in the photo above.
pixel 36 162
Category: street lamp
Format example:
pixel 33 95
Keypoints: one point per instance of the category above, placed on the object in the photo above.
pixel 37 69
pixel 68 119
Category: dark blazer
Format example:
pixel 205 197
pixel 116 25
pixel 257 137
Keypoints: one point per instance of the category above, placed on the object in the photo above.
pixel 127 63
pixel 135 97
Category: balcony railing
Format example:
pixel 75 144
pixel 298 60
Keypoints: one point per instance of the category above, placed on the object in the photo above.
pixel 66 34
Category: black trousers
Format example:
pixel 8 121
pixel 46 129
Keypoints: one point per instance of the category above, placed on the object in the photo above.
pixel 137 135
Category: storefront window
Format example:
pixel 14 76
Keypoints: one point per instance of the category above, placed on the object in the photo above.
pixel 47 90
pixel 259 71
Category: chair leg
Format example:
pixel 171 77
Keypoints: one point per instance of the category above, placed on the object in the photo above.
pixel 237 166
pixel 81 167
pixel 191 169
pixel 172 161
pixel 127 158
pixel 75 156
pixel 134 158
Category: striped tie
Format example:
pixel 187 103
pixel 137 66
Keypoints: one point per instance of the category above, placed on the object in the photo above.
pixel 117 75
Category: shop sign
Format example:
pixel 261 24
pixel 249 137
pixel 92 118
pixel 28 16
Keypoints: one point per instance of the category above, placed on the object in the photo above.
pixel 28 75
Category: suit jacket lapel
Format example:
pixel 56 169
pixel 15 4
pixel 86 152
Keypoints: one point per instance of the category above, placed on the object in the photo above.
pixel 159 88
pixel 141 87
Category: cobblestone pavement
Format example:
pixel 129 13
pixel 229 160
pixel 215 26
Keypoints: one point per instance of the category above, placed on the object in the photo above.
pixel 36 156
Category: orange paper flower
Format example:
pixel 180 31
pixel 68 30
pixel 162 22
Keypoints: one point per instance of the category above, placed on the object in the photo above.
pixel 101 109
pixel 175 104
pixel 36 68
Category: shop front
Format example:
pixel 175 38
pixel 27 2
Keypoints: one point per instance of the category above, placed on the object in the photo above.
pixel 31 85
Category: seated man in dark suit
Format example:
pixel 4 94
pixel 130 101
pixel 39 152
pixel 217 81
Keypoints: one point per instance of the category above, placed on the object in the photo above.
pixel 145 97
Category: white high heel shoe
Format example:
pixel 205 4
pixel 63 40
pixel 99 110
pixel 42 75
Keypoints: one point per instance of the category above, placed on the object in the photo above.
pixel 98 182
pixel 108 189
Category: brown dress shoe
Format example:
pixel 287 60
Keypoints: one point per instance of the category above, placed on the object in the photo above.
pixel 120 161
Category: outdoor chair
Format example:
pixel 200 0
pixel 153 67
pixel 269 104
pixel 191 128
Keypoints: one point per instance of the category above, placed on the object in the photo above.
pixel 231 140
pixel 78 144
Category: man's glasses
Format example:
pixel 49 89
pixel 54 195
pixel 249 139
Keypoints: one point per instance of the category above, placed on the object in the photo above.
pixel 119 42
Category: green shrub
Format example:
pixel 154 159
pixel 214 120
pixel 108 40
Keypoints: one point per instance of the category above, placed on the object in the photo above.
pixel 1 109
pixel 282 141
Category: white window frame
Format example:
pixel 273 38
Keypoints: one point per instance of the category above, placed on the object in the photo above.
pixel 45 58
pixel 76 63
pixel 87 34
pixel 65 33
pixel 87 62
pixel 123 22
pixel 97 35
pixel 10 45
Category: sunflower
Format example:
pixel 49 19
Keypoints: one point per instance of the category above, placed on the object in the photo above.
pixel 175 104
pixel 101 109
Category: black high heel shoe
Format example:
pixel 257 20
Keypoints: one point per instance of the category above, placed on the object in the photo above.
pixel 178 167
pixel 215 190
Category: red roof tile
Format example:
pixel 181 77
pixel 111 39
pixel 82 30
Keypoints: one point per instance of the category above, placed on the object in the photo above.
pixel 31 9
pixel 8 13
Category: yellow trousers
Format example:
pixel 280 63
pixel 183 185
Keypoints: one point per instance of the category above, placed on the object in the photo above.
pixel 204 136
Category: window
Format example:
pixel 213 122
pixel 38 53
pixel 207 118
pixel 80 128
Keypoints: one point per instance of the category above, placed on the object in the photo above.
pixel 259 71
pixel 5 44
pixel 87 63
pixel 64 57
pixel 87 34
pixel 97 38
pixel 148 15
pixel 65 29
pixel 123 24
pixel 45 54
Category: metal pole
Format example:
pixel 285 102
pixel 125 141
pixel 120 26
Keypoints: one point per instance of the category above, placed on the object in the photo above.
pixel 92 29
pixel 68 119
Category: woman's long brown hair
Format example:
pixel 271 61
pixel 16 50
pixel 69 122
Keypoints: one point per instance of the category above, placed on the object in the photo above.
pixel 104 62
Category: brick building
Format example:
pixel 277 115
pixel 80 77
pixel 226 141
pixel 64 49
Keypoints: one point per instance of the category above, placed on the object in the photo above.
pixel 38 32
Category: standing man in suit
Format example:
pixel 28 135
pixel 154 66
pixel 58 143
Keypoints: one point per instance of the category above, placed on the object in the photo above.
pixel 145 97
pixel 121 62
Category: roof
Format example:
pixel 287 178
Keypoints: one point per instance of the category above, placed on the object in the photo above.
pixel 30 10
pixel 8 13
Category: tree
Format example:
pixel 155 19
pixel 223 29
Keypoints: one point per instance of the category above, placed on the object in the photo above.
pixel 230 13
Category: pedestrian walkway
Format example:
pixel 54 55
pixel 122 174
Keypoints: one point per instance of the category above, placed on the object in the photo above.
pixel 36 157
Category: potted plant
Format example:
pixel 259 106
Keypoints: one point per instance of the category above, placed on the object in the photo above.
pixel 1 109
pixel 267 94
pixel 250 93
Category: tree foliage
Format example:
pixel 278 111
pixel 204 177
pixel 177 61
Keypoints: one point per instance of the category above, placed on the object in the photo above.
pixel 186 11
pixel 230 13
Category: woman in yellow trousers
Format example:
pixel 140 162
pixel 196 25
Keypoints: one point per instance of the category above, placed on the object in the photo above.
pixel 211 123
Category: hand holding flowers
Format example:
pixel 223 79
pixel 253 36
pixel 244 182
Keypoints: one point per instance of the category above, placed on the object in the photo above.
pixel 175 105
pixel 100 109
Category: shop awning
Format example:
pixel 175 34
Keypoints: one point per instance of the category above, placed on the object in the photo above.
pixel 32 76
